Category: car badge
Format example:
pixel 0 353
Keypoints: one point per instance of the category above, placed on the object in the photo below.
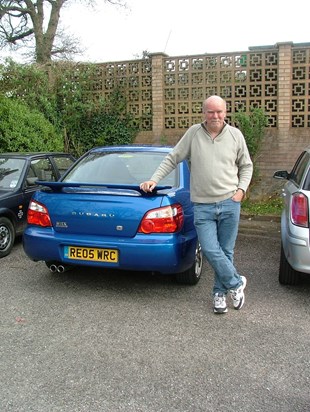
pixel 61 224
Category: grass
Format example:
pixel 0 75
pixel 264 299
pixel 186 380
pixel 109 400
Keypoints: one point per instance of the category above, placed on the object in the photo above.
pixel 270 206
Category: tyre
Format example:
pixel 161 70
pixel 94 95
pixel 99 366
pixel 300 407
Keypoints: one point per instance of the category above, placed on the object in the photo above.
pixel 192 275
pixel 7 236
pixel 287 275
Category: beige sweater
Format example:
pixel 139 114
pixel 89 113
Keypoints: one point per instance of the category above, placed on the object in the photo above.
pixel 218 167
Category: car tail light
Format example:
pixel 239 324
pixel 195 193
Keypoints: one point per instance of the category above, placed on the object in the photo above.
pixel 168 219
pixel 38 215
pixel 300 210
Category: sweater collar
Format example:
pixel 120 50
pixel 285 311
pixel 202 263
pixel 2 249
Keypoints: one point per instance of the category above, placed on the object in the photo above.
pixel 204 126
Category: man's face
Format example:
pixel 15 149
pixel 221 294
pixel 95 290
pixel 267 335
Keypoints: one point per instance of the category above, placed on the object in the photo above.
pixel 215 114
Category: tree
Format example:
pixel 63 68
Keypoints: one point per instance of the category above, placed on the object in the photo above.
pixel 28 22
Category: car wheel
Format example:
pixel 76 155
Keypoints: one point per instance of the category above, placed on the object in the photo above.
pixel 192 275
pixel 287 275
pixel 7 236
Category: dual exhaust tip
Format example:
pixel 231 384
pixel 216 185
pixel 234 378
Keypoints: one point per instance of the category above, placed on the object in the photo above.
pixel 58 268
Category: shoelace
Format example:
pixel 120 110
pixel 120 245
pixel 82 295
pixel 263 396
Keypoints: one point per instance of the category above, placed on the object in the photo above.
pixel 234 294
pixel 219 299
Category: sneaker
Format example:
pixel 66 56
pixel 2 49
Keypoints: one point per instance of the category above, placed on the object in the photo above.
pixel 237 295
pixel 219 303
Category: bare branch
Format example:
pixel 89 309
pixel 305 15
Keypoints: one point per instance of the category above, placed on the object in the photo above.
pixel 26 21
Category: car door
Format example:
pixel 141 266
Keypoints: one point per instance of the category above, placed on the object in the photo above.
pixel 61 163
pixel 39 168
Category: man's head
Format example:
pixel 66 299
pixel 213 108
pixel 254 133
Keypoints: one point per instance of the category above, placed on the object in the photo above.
pixel 214 110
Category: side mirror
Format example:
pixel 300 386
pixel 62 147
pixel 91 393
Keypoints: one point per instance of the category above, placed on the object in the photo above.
pixel 281 174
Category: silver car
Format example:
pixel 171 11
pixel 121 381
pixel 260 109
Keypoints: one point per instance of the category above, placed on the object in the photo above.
pixel 295 247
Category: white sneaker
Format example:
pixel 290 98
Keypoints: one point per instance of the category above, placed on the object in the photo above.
pixel 237 295
pixel 219 303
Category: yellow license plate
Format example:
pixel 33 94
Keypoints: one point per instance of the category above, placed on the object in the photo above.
pixel 93 254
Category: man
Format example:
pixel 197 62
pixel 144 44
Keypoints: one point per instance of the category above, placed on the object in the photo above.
pixel 221 171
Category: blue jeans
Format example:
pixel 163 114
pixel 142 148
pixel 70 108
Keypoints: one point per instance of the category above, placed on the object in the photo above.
pixel 217 229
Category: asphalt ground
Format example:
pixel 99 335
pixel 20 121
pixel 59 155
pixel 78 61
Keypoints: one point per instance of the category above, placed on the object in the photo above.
pixel 265 225
pixel 93 340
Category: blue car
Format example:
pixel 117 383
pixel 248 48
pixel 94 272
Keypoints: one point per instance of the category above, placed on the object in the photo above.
pixel 97 216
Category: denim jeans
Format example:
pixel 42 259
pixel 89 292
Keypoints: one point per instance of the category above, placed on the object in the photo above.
pixel 217 228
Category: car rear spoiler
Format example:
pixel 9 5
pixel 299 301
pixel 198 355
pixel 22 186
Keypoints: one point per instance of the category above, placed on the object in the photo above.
pixel 59 186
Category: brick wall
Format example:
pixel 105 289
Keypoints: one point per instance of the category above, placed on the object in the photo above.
pixel 165 94
pixel 276 78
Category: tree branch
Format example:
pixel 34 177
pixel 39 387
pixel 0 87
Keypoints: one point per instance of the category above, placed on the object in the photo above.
pixel 25 20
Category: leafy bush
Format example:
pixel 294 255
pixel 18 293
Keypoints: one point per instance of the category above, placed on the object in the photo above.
pixel 63 94
pixel 86 121
pixel 30 85
pixel 23 129
pixel 253 128
pixel 107 123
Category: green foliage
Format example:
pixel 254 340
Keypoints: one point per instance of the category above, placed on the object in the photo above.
pixel 88 122
pixel 64 95
pixel 164 140
pixel 24 129
pixel 104 124
pixel 253 128
pixel 273 205
pixel 29 84
pixel 92 123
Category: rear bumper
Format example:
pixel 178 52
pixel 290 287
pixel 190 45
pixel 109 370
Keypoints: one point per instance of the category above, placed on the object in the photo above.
pixel 298 255
pixel 296 247
pixel 157 253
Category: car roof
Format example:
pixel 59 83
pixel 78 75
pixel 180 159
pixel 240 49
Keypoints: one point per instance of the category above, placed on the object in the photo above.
pixel 132 148
pixel 27 155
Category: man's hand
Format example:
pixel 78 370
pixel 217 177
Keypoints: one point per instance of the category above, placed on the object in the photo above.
pixel 148 186
pixel 238 196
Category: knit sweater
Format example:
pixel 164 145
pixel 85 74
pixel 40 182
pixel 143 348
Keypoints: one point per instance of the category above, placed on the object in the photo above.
pixel 218 166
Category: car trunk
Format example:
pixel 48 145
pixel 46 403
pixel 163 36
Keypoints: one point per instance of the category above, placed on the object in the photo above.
pixel 103 213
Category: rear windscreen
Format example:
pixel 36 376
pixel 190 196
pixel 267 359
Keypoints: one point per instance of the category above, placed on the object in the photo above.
pixel 119 168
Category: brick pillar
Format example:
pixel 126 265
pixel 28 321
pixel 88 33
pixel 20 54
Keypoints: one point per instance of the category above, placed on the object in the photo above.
pixel 158 96
pixel 285 85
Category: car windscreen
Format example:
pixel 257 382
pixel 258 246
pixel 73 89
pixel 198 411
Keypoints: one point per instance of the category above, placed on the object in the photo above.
pixel 10 172
pixel 119 168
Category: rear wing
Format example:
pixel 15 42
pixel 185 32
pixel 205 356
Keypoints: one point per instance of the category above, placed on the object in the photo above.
pixel 100 187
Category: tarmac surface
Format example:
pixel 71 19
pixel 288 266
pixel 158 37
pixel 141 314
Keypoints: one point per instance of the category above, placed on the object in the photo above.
pixel 263 225
pixel 93 340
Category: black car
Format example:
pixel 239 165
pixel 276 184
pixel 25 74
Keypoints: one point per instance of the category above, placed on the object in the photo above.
pixel 19 173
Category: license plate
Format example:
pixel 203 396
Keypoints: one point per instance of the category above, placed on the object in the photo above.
pixel 93 254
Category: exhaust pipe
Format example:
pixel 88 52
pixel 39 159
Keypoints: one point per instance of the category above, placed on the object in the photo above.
pixel 64 268
pixel 55 266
